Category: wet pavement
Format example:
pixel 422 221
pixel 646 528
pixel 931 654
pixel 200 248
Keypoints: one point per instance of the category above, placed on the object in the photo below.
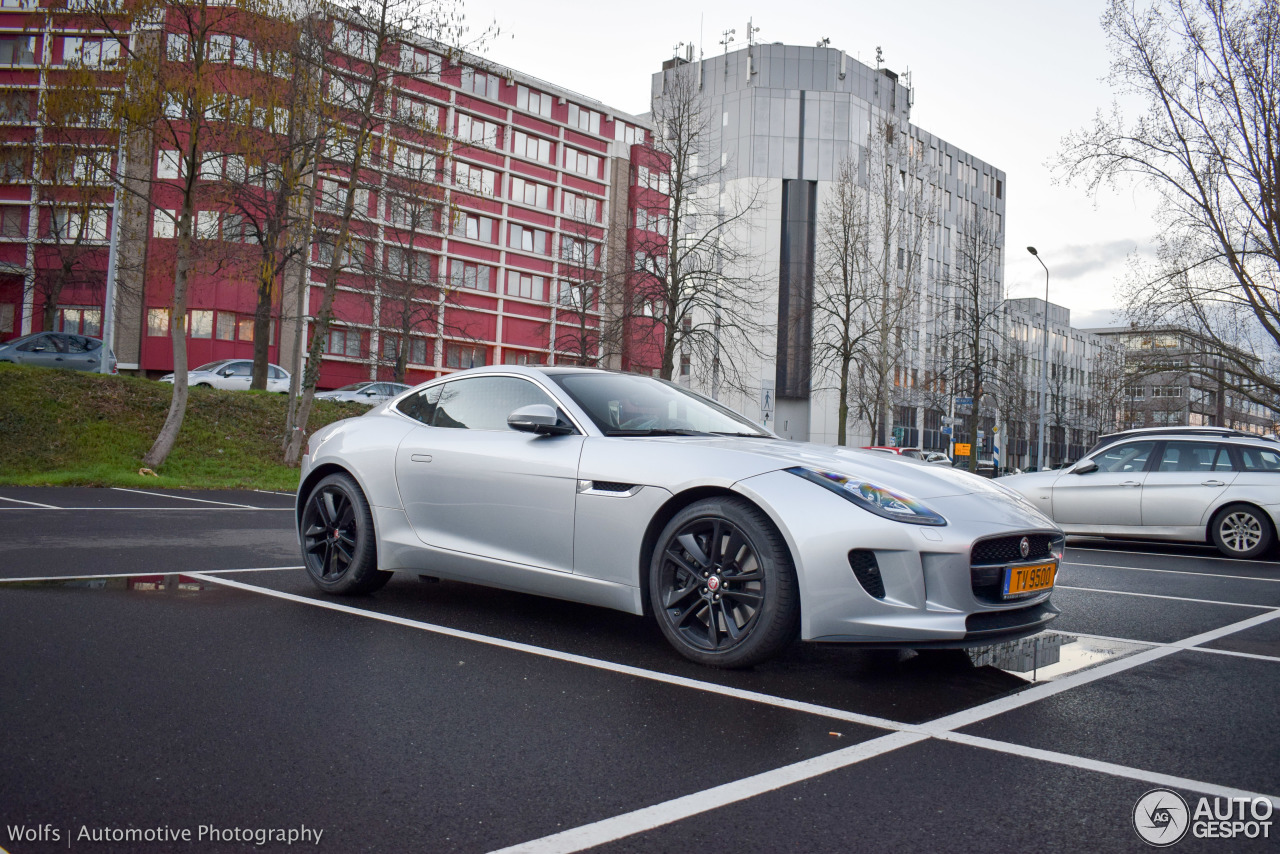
pixel 166 667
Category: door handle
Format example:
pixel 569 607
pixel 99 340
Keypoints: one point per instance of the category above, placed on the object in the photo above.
pixel 420 458
pixel 1130 483
pixel 1213 483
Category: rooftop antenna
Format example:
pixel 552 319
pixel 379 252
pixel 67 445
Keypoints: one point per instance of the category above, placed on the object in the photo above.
pixel 823 42
pixel 728 37
pixel 751 32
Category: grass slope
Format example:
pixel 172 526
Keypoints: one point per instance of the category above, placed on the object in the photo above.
pixel 68 428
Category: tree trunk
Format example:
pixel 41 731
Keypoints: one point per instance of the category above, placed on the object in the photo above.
pixel 262 317
pixel 178 334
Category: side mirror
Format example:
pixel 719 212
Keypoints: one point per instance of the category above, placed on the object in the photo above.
pixel 538 418
pixel 1085 467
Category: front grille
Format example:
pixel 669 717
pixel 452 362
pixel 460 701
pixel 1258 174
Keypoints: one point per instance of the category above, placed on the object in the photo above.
pixel 1005 550
pixel 989 558
pixel 867 571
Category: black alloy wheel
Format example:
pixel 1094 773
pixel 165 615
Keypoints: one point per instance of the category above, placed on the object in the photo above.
pixel 722 584
pixel 337 538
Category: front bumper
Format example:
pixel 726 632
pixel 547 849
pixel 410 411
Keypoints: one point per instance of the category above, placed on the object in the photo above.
pixel 928 596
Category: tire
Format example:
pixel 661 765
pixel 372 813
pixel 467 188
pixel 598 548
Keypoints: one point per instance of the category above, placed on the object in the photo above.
pixel 751 611
pixel 203 385
pixel 1241 530
pixel 338 545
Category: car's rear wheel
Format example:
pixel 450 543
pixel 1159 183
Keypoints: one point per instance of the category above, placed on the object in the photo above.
pixel 203 385
pixel 337 538
pixel 722 584
pixel 1241 530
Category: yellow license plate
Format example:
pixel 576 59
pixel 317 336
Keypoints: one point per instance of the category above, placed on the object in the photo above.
pixel 1029 579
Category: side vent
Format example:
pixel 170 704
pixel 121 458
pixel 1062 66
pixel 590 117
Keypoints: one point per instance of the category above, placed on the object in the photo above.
pixel 611 486
pixel 867 571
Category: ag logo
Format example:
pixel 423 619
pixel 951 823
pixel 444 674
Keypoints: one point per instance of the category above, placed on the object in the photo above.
pixel 1161 817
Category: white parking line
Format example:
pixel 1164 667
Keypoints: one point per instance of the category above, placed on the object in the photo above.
pixel 1169 571
pixel 628 824
pixel 32 503
pixel 572 658
pixel 1162 596
pixel 1168 554
pixel 144 572
pixel 185 498
pixel 234 508
pixel 273 492
pixel 617 827
pixel 1140 774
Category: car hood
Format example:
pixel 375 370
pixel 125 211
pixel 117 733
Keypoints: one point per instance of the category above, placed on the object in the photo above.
pixel 670 460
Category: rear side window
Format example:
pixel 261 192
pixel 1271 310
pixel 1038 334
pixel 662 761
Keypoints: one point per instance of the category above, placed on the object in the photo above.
pixel 483 403
pixel 1194 457
pixel 1260 459
pixel 275 373
pixel 1130 456
pixel 421 406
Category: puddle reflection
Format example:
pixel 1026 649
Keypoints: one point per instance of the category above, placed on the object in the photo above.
pixel 169 583
pixel 1051 655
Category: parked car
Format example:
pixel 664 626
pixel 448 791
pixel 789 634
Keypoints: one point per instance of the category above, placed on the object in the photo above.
pixel 234 375
pixel 914 453
pixel 57 350
pixel 633 493
pixel 1138 432
pixel 367 393
pixel 937 457
pixel 1222 489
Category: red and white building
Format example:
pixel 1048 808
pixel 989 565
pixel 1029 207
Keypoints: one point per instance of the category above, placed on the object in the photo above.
pixel 541 182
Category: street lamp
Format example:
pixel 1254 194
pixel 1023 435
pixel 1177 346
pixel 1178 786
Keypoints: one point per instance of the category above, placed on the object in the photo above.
pixel 1044 362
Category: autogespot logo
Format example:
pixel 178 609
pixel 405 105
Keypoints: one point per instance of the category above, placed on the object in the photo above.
pixel 1161 817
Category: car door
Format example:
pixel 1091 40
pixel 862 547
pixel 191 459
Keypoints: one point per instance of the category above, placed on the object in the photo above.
pixel 82 353
pixel 277 379
pixel 235 376
pixel 44 350
pixel 1109 496
pixel 1186 480
pixel 471 484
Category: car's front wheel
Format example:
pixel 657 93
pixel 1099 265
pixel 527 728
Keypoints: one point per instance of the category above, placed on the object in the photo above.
pixel 1241 530
pixel 722 584
pixel 337 538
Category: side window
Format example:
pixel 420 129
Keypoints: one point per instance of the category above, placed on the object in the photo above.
pixel 421 406
pixel 1191 457
pixel 240 369
pixel 483 403
pixel 76 344
pixel 39 343
pixel 275 373
pixel 1260 459
pixel 1127 457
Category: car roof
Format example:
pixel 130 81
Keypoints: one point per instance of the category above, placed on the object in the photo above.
pixel 1207 434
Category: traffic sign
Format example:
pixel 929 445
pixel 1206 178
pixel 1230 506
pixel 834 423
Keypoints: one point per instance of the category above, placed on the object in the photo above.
pixel 947 419
pixel 964 401
pixel 946 431
pixel 962 449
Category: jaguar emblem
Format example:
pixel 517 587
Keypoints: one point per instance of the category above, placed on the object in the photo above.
pixel 1024 547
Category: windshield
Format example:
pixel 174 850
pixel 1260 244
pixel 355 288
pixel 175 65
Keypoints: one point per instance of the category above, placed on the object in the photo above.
pixel 634 405
pixel 212 366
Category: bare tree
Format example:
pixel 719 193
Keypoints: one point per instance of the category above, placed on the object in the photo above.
pixel 973 317
pixel 697 284
pixel 1208 143
pixel 370 55
pixel 584 334
pixel 870 245
pixel 175 69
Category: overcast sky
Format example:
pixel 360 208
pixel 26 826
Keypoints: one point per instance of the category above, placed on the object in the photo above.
pixel 1004 81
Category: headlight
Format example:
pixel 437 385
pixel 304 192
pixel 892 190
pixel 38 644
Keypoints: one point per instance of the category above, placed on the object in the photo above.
pixel 872 497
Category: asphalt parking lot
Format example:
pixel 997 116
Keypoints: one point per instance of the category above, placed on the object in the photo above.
pixel 166 667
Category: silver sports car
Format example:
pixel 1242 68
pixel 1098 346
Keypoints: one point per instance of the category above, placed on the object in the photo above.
pixel 633 493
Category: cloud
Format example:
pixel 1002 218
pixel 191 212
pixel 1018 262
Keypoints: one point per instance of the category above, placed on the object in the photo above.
pixel 1079 261
pixel 1096 318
